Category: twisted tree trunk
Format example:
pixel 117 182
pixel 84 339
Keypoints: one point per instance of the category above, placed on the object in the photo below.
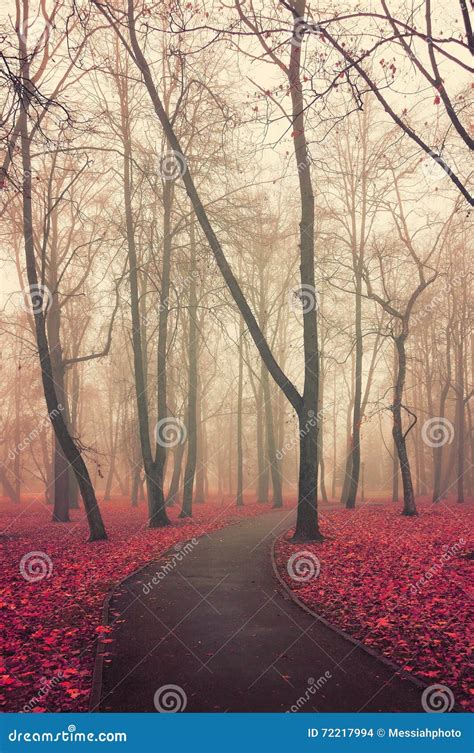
pixel 399 436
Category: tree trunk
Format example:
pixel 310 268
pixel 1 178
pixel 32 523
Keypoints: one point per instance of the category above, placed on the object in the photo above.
pixel 438 449
pixel 160 517
pixel 322 481
pixel 350 410
pixel 199 496
pixel 190 469
pixel 61 485
pixel 306 521
pixel 220 474
pixel 154 486
pixel 357 416
pixel 272 448
pixel 334 440
pixel 419 448
pixel 262 465
pixel 307 528
pixel 460 428
pixel 395 474
pixel 173 492
pixel 262 437
pixel 395 464
pixel 449 472
pixel 47 459
pixel 53 323
pixel 470 434
pixel 135 486
pixel 8 488
pixel 73 423
pixel 113 456
pixel 157 516
pixel 399 436
pixel 240 451
pixel 17 434
pixel 230 454
pixel 73 491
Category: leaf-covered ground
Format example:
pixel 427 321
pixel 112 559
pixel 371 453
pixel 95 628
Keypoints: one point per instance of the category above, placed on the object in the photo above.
pixel 52 624
pixel 402 586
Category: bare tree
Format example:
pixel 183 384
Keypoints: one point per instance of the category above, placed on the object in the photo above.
pixel 400 314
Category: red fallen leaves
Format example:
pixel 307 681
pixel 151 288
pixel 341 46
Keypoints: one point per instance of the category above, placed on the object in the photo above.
pixel 53 624
pixel 399 585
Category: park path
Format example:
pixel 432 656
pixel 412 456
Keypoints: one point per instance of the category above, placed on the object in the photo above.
pixel 220 629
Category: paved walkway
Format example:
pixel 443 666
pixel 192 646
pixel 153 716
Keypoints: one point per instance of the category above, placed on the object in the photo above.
pixel 218 627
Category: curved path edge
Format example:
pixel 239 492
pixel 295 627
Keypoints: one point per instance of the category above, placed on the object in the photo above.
pixel 97 672
pixel 347 636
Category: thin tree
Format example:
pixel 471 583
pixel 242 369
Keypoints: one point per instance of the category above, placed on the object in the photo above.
pixel 400 317
pixel 191 413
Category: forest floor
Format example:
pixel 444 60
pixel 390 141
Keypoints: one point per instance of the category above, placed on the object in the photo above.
pixel 399 585
pixel 53 622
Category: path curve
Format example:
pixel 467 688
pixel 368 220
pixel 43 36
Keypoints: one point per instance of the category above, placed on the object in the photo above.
pixel 218 626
